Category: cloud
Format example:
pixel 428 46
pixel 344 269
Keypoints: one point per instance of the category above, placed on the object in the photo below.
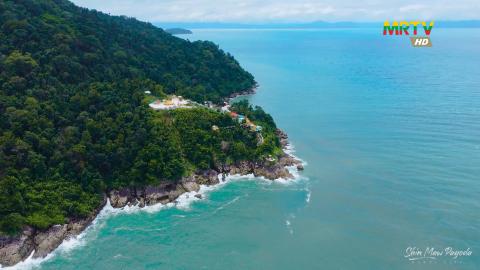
pixel 286 10
pixel 412 8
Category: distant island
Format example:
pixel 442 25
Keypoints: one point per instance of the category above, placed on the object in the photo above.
pixel 178 31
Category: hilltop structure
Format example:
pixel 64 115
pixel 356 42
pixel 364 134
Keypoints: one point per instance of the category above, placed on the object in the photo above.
pixel 170 103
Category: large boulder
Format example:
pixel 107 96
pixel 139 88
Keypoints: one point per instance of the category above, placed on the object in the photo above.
pixel 191 186
pixel 176 192
pixel 283 137
pixel 273 172
pixel 287 160
pixel 76 227
pixel 120 198
pixel 49 240
pixel 242 168
pixel 206 177
pixel 157 194
pixel 140 197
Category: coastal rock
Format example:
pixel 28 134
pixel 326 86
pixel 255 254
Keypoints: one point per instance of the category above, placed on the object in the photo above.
pixel 273 172
pixel 198 196
pixel 207 177
pixel 48 240
pixel 158 194
pixel 76 227
pixel 283 137
pixel 120 198
pixel 133 202
pixel 191 186
pixel 242 168
pixel 300 167
pixel 139 199
pixel 175 193
pixel 139 193
pixel 141 202
pixel 15 249
pixel 245 92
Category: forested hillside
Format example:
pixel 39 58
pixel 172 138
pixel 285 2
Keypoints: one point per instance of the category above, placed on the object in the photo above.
pixel 73 120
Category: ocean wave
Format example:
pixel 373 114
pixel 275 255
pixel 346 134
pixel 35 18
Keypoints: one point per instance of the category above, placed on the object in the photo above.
pixel 221 207
pixel 308 196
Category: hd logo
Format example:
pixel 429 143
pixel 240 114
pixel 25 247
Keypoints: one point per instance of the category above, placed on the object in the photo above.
pixel 403 28
pixel 421 42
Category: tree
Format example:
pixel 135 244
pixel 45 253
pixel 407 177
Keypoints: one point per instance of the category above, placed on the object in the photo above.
pixel 19 64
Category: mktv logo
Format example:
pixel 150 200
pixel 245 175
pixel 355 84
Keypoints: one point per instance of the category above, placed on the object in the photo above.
pixel 403 28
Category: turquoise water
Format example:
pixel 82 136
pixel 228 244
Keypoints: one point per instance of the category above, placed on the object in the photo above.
pixel 391 135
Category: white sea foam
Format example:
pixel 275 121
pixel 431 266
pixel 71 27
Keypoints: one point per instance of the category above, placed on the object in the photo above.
pixel 288 223
pixel 309 195
pixel 186 199
pixel 226 204
pixel 290 150
pixel 132 209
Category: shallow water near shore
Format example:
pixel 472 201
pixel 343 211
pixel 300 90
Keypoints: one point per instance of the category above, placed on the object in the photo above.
pixel 391 135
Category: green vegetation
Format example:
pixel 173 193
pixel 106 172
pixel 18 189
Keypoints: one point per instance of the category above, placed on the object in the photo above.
pixel 74 120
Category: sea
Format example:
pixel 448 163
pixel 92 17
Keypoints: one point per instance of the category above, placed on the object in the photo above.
pixel 390 137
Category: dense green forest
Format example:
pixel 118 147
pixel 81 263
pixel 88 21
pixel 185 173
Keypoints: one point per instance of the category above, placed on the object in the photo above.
pixel 73 117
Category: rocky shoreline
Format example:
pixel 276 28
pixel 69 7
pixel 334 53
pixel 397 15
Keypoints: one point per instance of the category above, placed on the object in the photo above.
pixel 40 243
pixel 246 92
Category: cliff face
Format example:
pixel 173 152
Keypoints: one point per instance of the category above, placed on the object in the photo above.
pixel 16 249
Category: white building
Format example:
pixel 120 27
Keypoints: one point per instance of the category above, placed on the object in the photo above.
pixel 173 102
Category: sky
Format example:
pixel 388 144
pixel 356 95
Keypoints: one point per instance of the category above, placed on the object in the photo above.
pixel 278 11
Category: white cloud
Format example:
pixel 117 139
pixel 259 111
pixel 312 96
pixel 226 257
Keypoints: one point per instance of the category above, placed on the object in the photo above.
pixel 286 10
pixel 412 8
